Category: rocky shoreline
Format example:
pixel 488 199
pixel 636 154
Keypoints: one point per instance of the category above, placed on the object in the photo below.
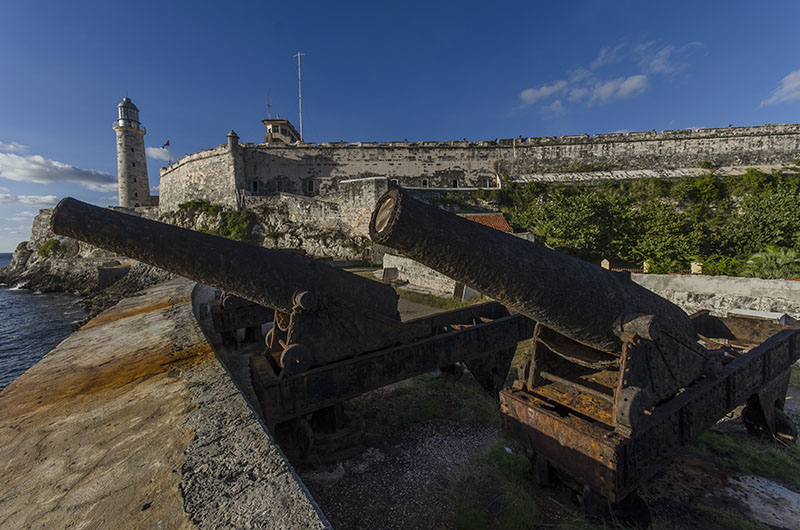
pixel 51 263
pixel 78 275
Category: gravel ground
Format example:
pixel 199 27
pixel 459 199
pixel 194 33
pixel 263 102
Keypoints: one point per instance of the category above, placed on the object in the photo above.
pixel 401 480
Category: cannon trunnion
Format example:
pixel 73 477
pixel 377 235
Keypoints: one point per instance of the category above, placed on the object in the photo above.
pixel 618 378
pixel 335 334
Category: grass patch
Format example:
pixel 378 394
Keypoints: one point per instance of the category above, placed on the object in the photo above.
pixel 794 378
pixel 475 406
pixel 401 391
pixel 469 518
pixel 749 456
pixel 51 246
pixel 465 403
pixel 493 490
pixel 437 301
pixel 733 520
pixel 581 523
pixel 426 411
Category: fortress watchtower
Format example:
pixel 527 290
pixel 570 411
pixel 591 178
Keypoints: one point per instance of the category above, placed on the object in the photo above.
pixel 280 132
pixel 134 187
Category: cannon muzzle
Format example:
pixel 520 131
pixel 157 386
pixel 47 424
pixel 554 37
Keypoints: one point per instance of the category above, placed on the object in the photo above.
pixel 578 299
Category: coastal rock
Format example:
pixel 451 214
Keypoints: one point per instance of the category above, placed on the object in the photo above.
pixel 139 277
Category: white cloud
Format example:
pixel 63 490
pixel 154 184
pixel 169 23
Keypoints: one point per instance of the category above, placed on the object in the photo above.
pixel 154 189
pixel 608 55
pixel 28 200
pixel 587 86
pixel 660 62
pixel 22 216
pixel 529 96
pixel 788 90
pixel 619 88
pixel 556 108
pixel 159 153
pixel 579 75
pixel 40 170
pixel 13 147
pixel 577 94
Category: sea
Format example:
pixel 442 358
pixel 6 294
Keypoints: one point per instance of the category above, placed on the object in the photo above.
pixel 31 324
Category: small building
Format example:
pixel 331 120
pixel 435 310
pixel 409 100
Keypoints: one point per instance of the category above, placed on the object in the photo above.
pixel 280 132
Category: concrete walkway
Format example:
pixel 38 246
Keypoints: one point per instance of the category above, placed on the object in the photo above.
pixel 133 423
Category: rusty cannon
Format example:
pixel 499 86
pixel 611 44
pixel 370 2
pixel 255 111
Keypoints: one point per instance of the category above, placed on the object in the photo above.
pixel 619 378
pixel 336 335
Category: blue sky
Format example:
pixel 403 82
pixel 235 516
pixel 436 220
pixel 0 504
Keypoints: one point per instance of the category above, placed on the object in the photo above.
pixel 374 71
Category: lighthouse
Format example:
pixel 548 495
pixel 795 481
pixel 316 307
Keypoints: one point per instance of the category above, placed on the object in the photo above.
pixel 134 187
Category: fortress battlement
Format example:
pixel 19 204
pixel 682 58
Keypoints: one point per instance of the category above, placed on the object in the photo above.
pixel 230 172
pixel 599 138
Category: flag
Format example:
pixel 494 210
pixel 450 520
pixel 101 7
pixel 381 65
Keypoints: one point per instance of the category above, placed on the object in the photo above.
pixel 166 144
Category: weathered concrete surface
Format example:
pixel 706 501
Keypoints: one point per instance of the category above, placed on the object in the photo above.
pixel 720 294
pixel 133 423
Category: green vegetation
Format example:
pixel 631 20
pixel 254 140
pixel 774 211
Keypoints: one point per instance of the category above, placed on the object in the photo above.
pixel 733 520
pixel 468 404
pixel 199 204
pixel 746 455
pixel 426 411
pixel 436 301
pixel 238 225
pixel 773 263
pixel 744 224
pixel 494 490
pixel 51 246
pixel 794 378
pixel 233 224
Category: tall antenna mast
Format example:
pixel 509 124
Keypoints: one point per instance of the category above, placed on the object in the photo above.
pixel 299 93
pixel 269 108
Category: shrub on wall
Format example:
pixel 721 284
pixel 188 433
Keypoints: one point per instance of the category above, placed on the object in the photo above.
pixel 720 221
pixel 51 246
pixel 238 225
pixel 199 204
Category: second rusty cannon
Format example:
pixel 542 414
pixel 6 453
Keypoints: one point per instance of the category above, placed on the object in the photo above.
pixel 336 334
pixel 619 378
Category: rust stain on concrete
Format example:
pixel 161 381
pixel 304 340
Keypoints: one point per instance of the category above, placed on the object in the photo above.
pixel 126 310
pixel 94 435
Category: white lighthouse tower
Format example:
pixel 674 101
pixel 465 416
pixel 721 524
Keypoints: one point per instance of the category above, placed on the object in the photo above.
pixel 134 187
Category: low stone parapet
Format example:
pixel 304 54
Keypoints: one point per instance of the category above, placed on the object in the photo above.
pixel 132 422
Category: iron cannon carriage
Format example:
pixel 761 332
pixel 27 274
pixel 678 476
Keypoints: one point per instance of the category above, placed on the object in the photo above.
pixel 336 335
pixel 619 378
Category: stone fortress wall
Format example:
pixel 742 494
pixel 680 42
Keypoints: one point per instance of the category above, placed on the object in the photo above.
pixel 228 173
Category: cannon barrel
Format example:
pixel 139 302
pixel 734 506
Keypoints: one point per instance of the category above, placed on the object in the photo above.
pixel 578 299
pixel 268 277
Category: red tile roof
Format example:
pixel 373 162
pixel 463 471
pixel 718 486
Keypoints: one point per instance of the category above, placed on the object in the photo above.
pixel 492 220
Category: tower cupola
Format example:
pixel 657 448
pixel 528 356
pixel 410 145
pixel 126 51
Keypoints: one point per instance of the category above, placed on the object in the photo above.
pixel 128 114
